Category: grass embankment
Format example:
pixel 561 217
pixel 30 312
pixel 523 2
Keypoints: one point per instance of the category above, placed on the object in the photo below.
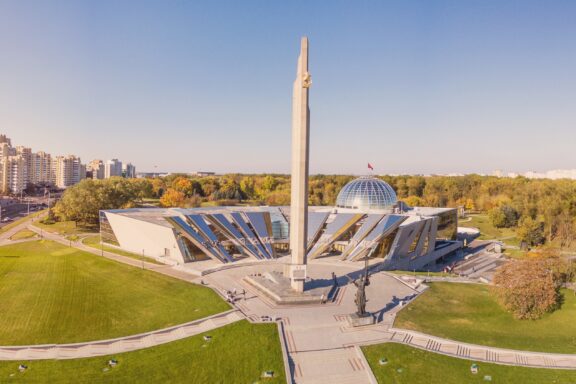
pixel 413 366
pixel 23 235
pixel 66 228
pixel 237 353
pixel 470 313
pixel 56 294
pixel 16 223
pixel 94 242
pixel 489 232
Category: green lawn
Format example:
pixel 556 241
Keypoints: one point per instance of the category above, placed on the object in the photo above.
pixel 23 234
pixel 490 232
pixel 413 366
pixel 66 228
pixel 56 294
pixel 237 353
pixel 94 242
pixel 469 312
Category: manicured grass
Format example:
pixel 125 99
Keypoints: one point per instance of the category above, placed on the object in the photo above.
pixel 489 231
pixel 56 294
pixel 469 312
pixel 66 228
pixel 237 353
pixel 413 366
pixel 15 223
pixel 23 234
pixel 94 242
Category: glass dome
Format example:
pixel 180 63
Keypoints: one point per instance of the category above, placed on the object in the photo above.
pixel 367 193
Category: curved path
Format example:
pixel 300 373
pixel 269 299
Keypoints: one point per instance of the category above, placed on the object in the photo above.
pixel 121 344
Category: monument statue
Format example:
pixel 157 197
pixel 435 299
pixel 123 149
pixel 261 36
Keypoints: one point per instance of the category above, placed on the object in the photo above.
pixel 361 283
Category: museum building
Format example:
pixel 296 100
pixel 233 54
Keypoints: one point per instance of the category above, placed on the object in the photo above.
pixel 367 221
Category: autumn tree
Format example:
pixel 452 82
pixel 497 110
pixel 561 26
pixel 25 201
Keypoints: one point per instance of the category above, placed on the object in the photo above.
pixel 527 288
pixel 83 201
pixel 173 198
pixel 530 231
pixel 503 216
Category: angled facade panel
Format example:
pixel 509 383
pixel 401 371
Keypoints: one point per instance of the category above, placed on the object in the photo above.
pixel 198 222
pixel 334 230
pixel 263 227
pixel 227 229
pixel 408 235
pixel 187 231
pixel 369 223
pixel 386 226
pixel 251 236
pixel 316 221
pixel 419 251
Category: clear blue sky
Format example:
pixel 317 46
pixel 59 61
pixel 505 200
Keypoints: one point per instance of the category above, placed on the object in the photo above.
pixel 410 86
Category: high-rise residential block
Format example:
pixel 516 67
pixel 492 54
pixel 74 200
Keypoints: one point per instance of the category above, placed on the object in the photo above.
pixel 68 170
pixel 129 171
pixel 41 168
pixel 112 168
pixel 96 169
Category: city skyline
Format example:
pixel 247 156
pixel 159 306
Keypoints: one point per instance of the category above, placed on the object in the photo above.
pixel 469 87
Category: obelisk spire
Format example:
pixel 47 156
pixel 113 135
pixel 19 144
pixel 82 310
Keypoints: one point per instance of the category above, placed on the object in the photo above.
pixel 299 181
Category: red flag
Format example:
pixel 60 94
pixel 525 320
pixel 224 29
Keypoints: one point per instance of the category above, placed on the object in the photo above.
pixel 370 166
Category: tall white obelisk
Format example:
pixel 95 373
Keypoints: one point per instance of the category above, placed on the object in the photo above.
pixel 300 157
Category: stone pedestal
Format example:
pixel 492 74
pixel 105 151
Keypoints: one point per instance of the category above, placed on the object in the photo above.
pixel 354 320
pixel 278 288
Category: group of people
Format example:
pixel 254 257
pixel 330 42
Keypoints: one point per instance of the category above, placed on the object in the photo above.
pixel 233 295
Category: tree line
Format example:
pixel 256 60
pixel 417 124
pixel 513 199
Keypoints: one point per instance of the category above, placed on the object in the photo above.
pixel 539 210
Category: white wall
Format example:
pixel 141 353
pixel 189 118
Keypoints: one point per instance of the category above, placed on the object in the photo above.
pixel 137 235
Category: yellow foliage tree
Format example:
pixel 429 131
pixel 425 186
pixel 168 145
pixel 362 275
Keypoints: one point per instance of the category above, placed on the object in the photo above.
pixel 172 198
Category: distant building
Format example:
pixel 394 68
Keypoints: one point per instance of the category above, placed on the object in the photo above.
pixel 142 175
pixel 203 173
pixel 96 169
pixel 68 170
pixel 112 168
pixel 20 167
pixel 41 168
pixel 554 174
pixel 129 171
pixel 13 174
pixel 5 140
pixel 26 154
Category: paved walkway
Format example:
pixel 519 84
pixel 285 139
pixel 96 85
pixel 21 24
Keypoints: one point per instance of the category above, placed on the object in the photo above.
pixel 482 353
pixel 322 347
pixel 119 345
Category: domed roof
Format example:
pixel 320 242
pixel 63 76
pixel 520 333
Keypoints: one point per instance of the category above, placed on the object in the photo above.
pixel 367 193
